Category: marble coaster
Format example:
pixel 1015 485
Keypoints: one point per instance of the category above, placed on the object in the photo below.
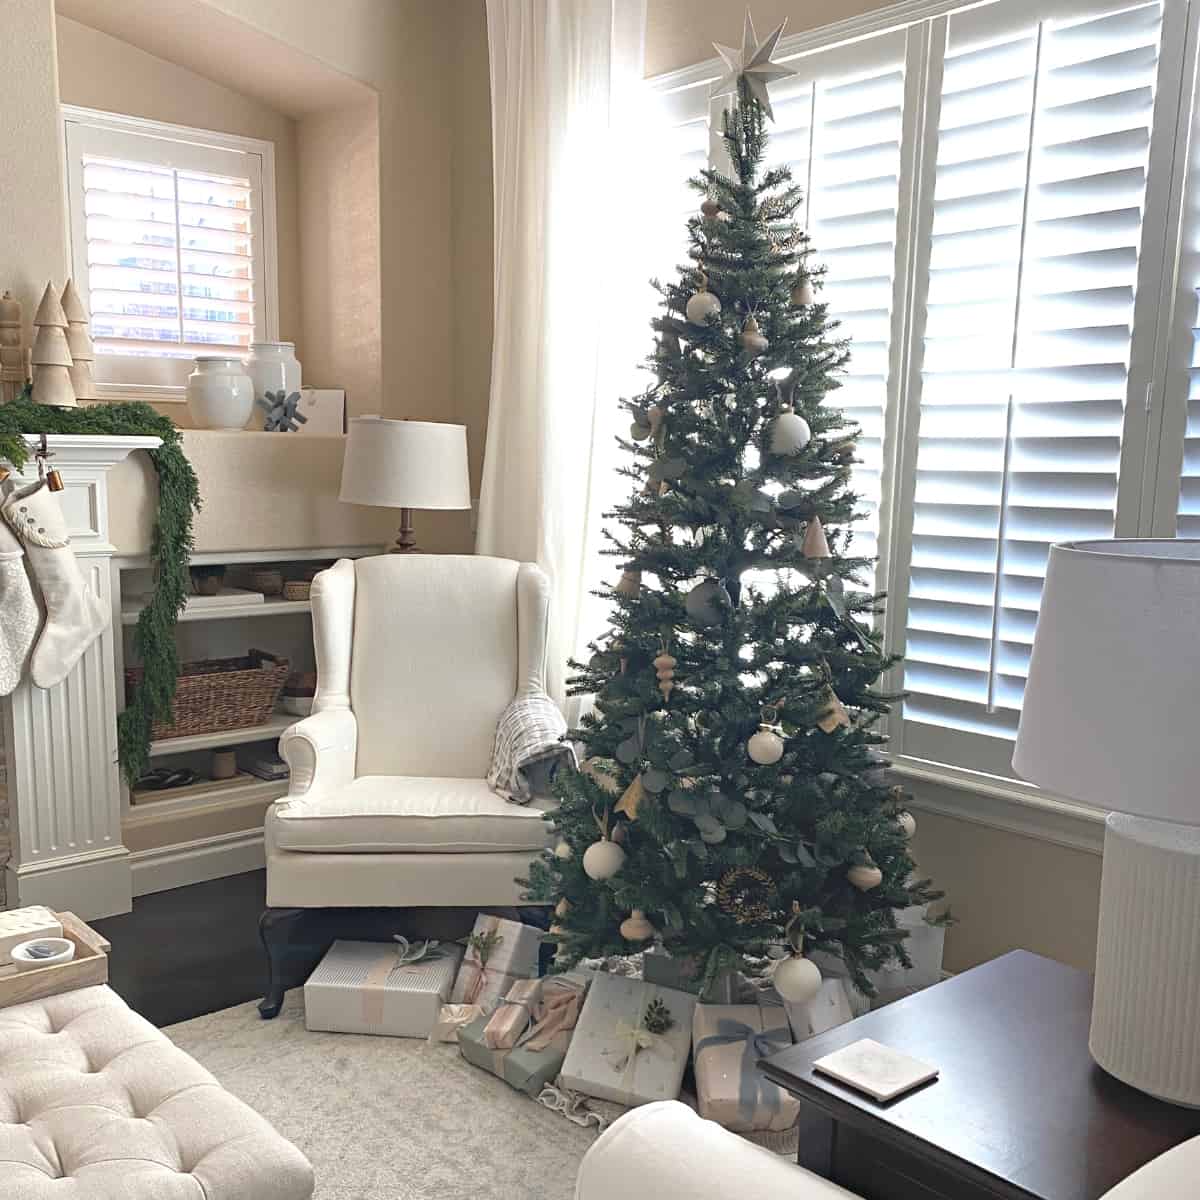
pixel 875 1069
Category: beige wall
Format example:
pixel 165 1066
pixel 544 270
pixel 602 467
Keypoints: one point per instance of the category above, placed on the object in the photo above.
pixel 33 240
pixel 681 32
pixel 340 234
pixel 99 71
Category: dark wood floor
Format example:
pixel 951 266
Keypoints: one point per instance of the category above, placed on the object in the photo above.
pixel 189 951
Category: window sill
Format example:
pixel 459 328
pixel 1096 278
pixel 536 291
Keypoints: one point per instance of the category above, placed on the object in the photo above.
pixel 1001 803
pixel 115 393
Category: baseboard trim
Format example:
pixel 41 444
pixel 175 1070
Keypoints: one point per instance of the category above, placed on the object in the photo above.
pixel 197 861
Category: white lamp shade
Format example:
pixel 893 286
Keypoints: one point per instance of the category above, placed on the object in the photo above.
pixel 1111 715
pixel 405 464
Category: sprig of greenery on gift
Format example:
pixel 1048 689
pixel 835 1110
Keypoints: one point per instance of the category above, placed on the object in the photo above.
pixel 484 943
pixel 170 547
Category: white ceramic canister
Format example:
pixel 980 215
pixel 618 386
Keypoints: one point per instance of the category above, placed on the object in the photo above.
pixel 273 367
pixel 220 394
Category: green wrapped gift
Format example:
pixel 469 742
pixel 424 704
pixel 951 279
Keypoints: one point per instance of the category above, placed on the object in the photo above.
pixel 537 1059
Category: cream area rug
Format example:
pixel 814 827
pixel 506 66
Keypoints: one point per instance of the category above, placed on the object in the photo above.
pixel 388 1118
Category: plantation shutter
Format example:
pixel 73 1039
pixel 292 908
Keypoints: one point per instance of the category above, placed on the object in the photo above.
pixel 167 239
pixel 839 128
pixel 1188 521
pixel 1037 220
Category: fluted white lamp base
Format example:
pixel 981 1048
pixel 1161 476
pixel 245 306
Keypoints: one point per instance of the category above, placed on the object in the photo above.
pixel 1146 1011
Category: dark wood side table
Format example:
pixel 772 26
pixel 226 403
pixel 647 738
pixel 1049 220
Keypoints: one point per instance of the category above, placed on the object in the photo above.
pixel 1020 1111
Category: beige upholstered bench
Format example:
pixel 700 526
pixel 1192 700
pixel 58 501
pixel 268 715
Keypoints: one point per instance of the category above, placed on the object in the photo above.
pixel 96 1104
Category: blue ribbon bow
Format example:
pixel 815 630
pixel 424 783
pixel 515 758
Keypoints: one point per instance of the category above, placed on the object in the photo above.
pixel 754 1090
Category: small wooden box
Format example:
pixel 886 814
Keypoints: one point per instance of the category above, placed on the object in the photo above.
pixel 88 968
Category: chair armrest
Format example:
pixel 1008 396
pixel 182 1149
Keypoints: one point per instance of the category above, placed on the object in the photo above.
pixel 665 1150
pixel 321 751
pixel 1170 1176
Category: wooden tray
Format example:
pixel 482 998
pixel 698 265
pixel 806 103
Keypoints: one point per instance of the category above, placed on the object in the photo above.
pixel 88 968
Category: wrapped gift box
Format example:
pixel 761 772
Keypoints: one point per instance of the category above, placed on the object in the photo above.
pixel 829 1008
pixel 729 1040
pixel 614 1057
pixel 538 1055
pixel 513 956
pixel 451 1018
pixel 362 987
pixel 687 975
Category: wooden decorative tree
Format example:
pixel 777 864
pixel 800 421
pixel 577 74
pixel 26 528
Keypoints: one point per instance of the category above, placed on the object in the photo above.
pixel 51 355
pixel 79 342
pixel 14 354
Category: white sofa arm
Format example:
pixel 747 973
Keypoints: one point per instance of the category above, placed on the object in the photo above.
pixel 667 1151
pixel 320 750
pixel 1170 1176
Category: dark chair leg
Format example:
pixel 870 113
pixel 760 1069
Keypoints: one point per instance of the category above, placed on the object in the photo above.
pixel 275 927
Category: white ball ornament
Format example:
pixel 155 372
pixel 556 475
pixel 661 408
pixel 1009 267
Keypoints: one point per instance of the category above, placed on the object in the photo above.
pixel 789 433
pixel 702 306
pixel 707 601
pixel 562 850
pixel 765 747
pixel 797 979
pixel 907 823
pixel 603 859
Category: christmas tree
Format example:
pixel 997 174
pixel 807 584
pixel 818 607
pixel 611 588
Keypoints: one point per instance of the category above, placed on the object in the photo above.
pixel 733 799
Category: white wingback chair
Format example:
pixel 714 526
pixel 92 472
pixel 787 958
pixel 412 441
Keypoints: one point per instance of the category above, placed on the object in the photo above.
pixel 388 805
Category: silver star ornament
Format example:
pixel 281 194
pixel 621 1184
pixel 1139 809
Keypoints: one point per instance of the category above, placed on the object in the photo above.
pixel 753 63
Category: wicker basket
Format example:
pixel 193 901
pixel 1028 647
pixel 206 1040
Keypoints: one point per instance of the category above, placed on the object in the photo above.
pixel 297 589
pixel 220 693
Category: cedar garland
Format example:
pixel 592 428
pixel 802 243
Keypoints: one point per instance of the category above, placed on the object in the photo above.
pixel 170 547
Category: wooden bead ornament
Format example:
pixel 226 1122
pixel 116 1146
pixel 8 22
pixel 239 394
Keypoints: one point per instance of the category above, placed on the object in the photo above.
pixel 802 294
pixel 816 544
pixel 865 876
pixel 703 305
pixel 635 927
pixel 753 341
pixel 664 669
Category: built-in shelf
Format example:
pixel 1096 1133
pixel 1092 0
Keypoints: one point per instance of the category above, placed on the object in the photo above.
pixel 223 612
pixel 266 732
pixel 150 807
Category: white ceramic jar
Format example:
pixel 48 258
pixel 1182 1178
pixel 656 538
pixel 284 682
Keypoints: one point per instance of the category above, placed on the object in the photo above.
pixel 273 367
pixel 220 394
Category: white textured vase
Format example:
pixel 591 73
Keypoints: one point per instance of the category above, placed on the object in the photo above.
pixel 273 367
pixel 219 393
pixel 1146 1011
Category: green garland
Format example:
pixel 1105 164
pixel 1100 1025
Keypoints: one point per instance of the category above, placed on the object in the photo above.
pixel 170 547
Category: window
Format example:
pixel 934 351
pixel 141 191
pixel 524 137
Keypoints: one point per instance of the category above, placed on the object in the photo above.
pixel 172 235
pixel 1005 200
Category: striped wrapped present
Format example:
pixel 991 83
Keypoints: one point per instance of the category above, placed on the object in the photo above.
pixel 380 988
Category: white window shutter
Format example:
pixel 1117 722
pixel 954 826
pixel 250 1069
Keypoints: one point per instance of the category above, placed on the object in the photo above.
pixel 839 129
pixel 1039 194
pixel 168 245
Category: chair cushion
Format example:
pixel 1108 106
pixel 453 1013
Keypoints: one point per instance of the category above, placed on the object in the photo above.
pixel 96 1104
pixel 398 813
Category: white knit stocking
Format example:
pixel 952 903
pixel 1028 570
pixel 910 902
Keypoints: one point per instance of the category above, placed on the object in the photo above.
pixel 19 617
pixel 75 615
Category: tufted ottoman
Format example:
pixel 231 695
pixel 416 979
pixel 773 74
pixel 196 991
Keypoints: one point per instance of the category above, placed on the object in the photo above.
pixel 96 1104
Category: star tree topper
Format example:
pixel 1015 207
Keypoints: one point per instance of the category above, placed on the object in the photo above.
pixel 753 63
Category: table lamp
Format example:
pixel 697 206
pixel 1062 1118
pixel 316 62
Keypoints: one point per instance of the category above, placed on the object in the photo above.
pixel 405 465
pixel 1111 717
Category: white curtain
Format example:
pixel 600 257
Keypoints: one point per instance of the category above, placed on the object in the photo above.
pixel 571 298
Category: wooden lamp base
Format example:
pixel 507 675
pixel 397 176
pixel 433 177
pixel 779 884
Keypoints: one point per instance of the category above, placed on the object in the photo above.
pixel 405 542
